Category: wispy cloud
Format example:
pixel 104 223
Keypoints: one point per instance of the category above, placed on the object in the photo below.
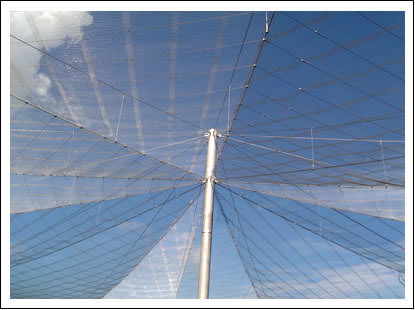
pixel 365 280
pixel 57 28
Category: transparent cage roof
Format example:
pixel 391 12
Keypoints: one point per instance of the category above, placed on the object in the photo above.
pixel 109 112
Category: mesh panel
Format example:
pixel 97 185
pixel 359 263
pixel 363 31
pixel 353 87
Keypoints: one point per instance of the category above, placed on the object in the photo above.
pixel 137 77
pixel 84 251
pixel 55 163
pixel 108 116
pixel 380 201
pixel 323 123
pixel 294 250
pixel 160 273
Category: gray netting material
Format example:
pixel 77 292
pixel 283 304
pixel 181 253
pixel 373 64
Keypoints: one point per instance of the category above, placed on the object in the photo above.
pixel 108 116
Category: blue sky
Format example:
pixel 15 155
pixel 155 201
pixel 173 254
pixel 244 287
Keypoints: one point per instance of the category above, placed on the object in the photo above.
pixel 117 80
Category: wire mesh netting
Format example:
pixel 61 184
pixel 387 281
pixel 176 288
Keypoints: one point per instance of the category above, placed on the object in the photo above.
pixel 109 112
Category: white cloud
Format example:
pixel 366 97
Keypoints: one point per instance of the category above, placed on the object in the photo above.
pixel 158 275
pixel 42 84
pixel 365 280
pixel 53 29
pixel 132 226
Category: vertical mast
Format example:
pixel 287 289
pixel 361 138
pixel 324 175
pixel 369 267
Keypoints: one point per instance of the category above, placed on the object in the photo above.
pixel 204 270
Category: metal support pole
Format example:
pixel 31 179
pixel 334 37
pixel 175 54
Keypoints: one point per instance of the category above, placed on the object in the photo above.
pixel 204 270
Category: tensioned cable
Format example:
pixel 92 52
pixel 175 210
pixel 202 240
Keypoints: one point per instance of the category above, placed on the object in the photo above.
pixel 342 46
pixel 235 243
pixel 362 279
pixel 234 207
pixel 346 151
pixel 365 153
pixel 176 196
pixel 333 51
pixel 281 236
pixel 296 170
pixel 270 244
pixel 367 228
pixel 142 233
pixel 249 78
pixel 87 250
pixel 183 212
pixel 187 256
pixel 70 138
pixel 221 161
pixel 317 253
pixel 38 134
pixel 53 249
pixel 83 252
pixel 84 210
pixel 142 178
pixel 210 85
pixel 133 180
pixel 350 232
pixel 344 164
pixel 298 186
pixel 320 129
pixel 303 114
pixel 107 84
pixel 111 226
pixel 62 259
pixel 305 170
pixel 56 150
pixel 321 138
pixel 144 78
pixel 379 25
pixel 315 161
pixel 359 74
pixel 271 271
pixel 302 90
pixel 312 231
pixel 97 142
pixel 95 34
pixel 155 57
pixel 294 28
pixel 367 159
pixel 270 169
pixel 78 279
pixel 278 100
pixel 238 249
pixel 110 197
pixel 335 78
pixel 235 66
pixel 268 270
pixel 174 143
pixel 103 137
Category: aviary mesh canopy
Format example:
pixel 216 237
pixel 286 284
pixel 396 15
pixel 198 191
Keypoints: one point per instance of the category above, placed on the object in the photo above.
pixel 109 112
